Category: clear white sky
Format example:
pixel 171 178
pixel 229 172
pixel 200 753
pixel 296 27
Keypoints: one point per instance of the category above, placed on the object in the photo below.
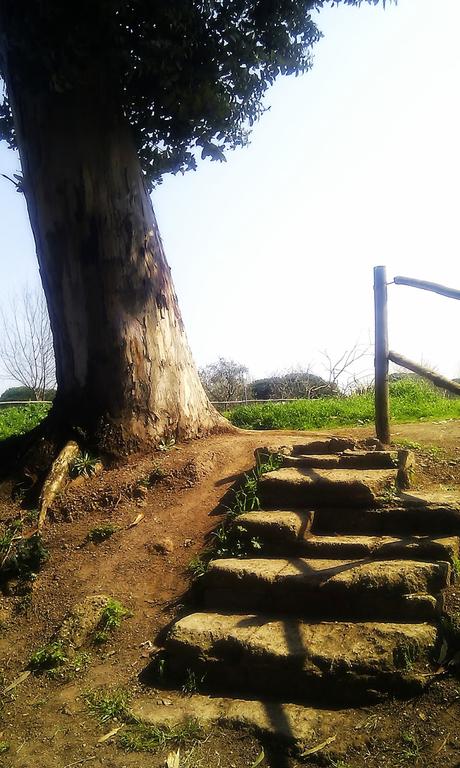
pixel 356 164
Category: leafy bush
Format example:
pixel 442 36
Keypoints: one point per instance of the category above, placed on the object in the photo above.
pixel 17 420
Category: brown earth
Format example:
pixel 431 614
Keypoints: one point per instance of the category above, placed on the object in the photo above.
pixel 46 721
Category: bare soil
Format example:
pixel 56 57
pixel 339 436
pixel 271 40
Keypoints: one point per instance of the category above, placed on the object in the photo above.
pixel 45 721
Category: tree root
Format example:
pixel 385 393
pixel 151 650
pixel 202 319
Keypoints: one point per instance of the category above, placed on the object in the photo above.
pixel 56 479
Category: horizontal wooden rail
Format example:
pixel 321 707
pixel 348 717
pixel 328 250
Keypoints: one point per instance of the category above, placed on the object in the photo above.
pixel 434 377
pixel 451 293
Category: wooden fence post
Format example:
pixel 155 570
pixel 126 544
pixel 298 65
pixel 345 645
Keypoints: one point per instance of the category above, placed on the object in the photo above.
pixel 382 399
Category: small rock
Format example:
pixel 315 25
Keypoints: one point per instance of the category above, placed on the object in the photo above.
pixel 163 546
pixel 188 542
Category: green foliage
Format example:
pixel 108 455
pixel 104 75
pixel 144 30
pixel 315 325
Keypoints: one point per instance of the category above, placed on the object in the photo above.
pixel 166 445
pixel 190 76
pixel 111 618
pixel 406 654
pixel 152 478
pixel 48 658
pixel 101 533
pixel 411 746
pixel 229 539
pixel 84 465
pixel 19 556
pixel 139 737
pixel 113 704
pixel 108 704
pixel 410 400
pixel 456 567
pixel 4 747
pixel 17 420
pixel 192 682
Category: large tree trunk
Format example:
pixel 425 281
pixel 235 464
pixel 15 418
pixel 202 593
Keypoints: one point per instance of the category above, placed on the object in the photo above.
pixel 124 369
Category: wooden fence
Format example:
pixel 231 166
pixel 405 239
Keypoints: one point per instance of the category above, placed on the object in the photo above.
pixel 383 355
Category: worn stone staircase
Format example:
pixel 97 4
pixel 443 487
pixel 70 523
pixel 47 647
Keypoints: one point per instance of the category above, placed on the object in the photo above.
pixel 344 601
pixel 343 606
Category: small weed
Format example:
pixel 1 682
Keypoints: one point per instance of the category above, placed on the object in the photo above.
pixel 167 444
pixel 230 540
pixel 79 662
pixel 390 494
pixel 411 748
pixel 4 747
pixel 340 764
pixel 111 618
pixel 451 628
pixel 245 498
pixel 101 533
pixel 108 704
pixel 48 658
pixel 456 567
pixel 84 465
pixel 198 565
pixel 406 654
pixel 409 444
pixel 140 737
pixel 152 478
pixel 23 603
pixel 192 683
pixel 269 463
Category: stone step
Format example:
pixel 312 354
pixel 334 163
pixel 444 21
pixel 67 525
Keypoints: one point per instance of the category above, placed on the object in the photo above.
pixel 345 460
pixel 408 515
pixel 323 445
pixel 329 732
pixel 302 487
pixel 291 533
pixel 328 589
pixel 340 662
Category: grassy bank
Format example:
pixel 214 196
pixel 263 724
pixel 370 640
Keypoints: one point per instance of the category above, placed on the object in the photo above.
pixel 411 400
pixel 16 420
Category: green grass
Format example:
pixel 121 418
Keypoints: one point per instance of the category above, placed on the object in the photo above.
pixel 101 533
pixel 410 400
pixel 17 420
pixel 111 618
pixel 108 704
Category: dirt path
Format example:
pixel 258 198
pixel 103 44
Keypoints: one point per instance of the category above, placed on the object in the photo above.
pixel 145 568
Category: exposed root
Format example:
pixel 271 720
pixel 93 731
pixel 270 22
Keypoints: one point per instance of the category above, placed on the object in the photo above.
pixel 56 479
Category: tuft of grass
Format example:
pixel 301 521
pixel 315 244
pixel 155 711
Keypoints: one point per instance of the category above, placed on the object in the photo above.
pixel 167 444
pixel 192 682
pixel 140 737
pixel 410 400
pixel 53 660
pixel 108 704
pixel 406 654
pixel 101 533
pixel 411 746
pixel 4 747
pixel 111 618
pixel 48 658
pixel 84 465
pixel 230 540
pixel 456 567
